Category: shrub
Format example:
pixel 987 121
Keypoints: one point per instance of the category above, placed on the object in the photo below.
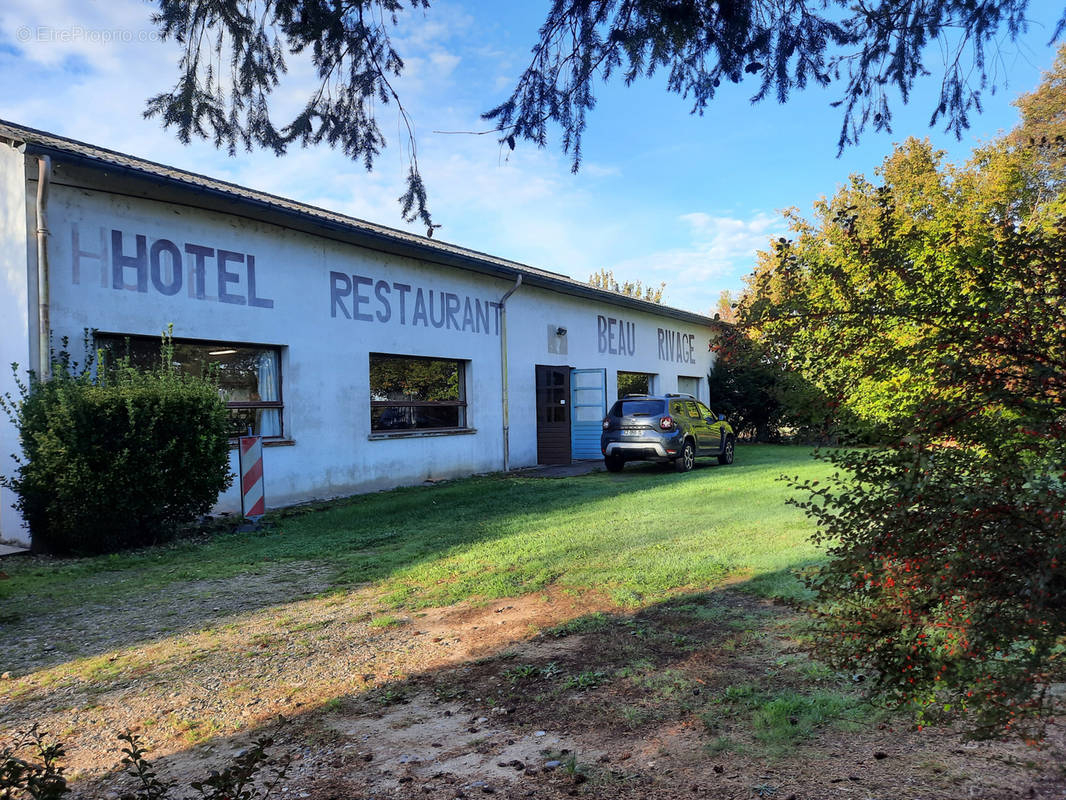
pixel 116 457
pixel 30 769
pixel 30 766
pixel 945 580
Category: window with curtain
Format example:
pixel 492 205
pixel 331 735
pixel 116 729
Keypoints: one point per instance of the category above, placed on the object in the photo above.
pixel 249 376
pixel 416 393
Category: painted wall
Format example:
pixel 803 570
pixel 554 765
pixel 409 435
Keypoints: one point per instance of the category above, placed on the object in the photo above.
pixel 132 266
pixel 16 260
pixel 598 336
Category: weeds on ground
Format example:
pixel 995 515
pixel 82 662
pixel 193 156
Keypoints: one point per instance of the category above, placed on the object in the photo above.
pixel 520 673
pixel 391 694
pixel 589 623
pixel 385 621
pixel 446 692
pixel 780 720
pixel 584 681
pixel 527 673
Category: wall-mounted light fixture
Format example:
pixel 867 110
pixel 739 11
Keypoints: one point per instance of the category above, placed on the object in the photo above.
pixel 560 331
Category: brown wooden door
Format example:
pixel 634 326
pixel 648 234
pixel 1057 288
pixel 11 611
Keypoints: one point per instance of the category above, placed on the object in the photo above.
pixel 553 415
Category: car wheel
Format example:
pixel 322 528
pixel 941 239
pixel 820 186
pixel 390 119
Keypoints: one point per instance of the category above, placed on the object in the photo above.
pixel 614 463
pixel 687 459
pixel 727 453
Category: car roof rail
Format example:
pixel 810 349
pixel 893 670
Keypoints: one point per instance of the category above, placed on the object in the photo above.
pixel 680 394
pixel 630 396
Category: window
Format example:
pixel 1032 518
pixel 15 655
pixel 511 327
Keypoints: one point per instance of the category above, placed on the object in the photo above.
pixel 688 385
pixel 634 383
pixel 249 376
pixel 413 393
pixel 636 408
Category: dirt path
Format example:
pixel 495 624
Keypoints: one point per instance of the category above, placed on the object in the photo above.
pixel 542 696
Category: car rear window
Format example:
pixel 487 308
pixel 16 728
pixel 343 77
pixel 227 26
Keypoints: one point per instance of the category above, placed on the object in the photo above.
pixel 636 408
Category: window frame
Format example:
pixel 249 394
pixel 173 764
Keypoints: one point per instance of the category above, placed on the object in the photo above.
pixel 462 403
pixel 278 405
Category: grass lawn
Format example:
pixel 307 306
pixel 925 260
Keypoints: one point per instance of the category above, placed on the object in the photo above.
pixel 637 537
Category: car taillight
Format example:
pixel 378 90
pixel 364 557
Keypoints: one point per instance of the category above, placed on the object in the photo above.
pixel 666 423
pixel 606 423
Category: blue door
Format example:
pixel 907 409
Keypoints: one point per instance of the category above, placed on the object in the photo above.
pixel 588 407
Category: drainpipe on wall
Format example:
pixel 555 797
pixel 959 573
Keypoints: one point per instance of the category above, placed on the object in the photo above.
pixel 503 376
pixel 44 323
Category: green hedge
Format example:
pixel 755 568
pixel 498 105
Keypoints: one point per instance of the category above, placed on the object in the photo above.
pixel 115 458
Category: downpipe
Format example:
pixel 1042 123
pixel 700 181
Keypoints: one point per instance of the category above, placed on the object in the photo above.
pixel 44 321
pixel 503 376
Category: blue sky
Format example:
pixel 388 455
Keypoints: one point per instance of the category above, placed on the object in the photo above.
pixel 662 194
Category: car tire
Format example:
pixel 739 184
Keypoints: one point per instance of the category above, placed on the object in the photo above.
pixel 687 458
pixel 727 452
pixel 614 463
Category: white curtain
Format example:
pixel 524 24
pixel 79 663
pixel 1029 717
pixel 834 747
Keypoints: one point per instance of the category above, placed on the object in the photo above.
pixel 269 418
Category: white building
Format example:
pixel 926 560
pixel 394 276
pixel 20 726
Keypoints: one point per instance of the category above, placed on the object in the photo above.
pixel 368 357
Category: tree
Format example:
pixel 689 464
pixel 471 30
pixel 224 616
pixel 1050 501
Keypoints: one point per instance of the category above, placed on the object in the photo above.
pixel 725 308
pixel 930 304
pixel 764 399
pixel 604 279
pixel 1040 135
pixel 350 47
pixel 235 53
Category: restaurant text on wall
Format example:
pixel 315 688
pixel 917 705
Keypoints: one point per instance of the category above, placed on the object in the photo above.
pixel 366 299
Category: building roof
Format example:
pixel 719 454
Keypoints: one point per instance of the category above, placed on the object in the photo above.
pixel 273 208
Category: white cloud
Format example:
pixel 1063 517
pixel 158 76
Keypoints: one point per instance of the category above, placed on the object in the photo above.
pixel 593 170
pixel 719 251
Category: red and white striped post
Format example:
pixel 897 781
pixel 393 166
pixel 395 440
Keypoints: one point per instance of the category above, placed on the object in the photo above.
pixel 253 501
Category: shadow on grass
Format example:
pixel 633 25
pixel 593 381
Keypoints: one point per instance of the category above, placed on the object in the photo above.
pixel 450 538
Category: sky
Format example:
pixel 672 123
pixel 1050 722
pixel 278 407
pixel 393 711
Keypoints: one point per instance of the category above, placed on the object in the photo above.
pixel 662 195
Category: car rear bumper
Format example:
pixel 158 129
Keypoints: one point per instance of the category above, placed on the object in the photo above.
pixel 637 450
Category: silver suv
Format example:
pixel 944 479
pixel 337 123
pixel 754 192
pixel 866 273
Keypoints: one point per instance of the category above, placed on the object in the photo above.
pixel 671 427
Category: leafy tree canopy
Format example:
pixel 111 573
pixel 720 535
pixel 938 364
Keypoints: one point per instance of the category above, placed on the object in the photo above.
pixel 235 51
